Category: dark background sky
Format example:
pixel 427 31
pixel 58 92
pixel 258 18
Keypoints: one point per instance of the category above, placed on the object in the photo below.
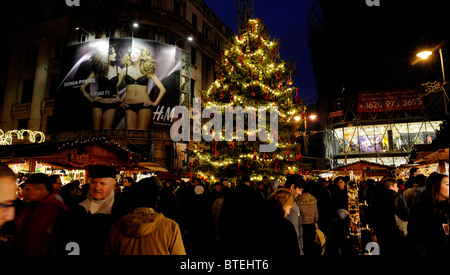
pixel 287 21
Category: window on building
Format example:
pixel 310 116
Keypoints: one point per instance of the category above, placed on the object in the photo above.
pixel 193 56
pixel 31 55
pixel 2 93
pixel 194 21
pixel 176 7
pixel 205 29
pixel 27 90
pixel 49 124
pixel 22 123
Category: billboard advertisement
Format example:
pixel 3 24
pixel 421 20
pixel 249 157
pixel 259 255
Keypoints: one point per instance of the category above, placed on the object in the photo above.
pixel 392 100
pixel 117 83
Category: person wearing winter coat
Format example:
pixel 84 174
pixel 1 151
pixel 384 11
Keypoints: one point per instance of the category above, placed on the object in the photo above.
pixel 35 232
pixel 143 230
pixel 240 221
pixel 310 216
pixel 88 223
pixel 428 225
pixel 295 184
pixel 387 204
pixel 281 238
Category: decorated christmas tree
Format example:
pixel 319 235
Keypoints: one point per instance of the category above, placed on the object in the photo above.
pixel 250 75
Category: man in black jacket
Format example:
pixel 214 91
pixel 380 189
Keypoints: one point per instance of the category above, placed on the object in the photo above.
pixel 389 210
pixel 88 223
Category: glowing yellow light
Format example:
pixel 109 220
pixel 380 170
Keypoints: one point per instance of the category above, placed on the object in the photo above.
pixel 424 54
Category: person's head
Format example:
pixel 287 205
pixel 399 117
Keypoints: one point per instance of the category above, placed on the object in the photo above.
pixel 127 181
pixel 265 180
pixel 420 180
pixel 142 57
pixel 218 186
pixel 260 185
pixel 281 200
pixel 340 183
pixel 225 183
pixel 112 56
pixel 36 188
pixel 103 180
pixel 8 190
pixel 245 179
pixel 195 182
pixel 55 180
pixel 390 183
pixel 413 171
pixel 144 193
pixel 437 187
pixel 295 184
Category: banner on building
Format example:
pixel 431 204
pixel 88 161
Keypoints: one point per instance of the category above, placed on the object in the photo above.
pixel 117 83
pixel 390 100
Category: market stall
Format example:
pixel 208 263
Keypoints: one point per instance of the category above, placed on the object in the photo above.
pixel 363 170
pixel 69 158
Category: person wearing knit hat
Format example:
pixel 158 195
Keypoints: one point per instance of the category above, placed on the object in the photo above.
pixel 101 189
pixel 88 223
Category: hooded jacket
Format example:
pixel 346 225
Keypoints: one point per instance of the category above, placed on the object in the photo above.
pixel 145 232
pixel 308 208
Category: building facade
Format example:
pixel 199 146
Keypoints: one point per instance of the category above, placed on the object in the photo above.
pixel 377 99
pixel 37 36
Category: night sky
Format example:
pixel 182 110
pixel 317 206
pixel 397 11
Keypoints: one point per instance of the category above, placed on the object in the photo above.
pixel 286 21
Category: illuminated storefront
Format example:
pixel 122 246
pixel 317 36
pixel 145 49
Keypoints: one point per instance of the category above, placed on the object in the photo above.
pixel 387 144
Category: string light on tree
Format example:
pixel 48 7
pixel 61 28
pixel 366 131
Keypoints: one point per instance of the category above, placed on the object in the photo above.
pixel 251 72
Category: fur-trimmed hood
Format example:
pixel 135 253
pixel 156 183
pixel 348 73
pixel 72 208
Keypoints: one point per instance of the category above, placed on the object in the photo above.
pixel 306 198
pixel 140 222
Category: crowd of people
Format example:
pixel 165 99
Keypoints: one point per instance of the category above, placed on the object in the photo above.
pixel 243 218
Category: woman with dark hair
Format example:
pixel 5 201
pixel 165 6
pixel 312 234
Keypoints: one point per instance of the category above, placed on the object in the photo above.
pixel 105 101
pixel 428 225
pixel 339 193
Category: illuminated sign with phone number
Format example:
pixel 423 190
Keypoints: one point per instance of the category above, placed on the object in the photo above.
pixel 379 101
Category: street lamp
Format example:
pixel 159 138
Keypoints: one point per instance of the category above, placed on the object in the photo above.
pixel 188 38
pixel 297 118
pixel 134 26
pixel 424 55
pixel 89 34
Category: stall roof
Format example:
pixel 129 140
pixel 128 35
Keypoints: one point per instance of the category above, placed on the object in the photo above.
pixel 361 166
pixel 436 156
pixel 72 153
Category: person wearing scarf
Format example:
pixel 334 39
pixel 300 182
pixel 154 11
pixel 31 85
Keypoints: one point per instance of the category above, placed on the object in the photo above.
pixel 88 223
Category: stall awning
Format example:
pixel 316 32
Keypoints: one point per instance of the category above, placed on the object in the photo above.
pixel 362 166
pixel 153 167
pixel 436 156
pixel 73 154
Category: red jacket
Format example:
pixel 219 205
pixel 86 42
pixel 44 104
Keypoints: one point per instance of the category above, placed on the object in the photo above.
pixel 34 227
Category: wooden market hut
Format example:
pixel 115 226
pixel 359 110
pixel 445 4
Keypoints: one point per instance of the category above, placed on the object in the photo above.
pixel 364 170
pixel 73 154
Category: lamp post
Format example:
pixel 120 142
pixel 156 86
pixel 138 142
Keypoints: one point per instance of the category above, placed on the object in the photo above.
pixel 134 26
pixel 89 34
pixel 424 55
pixel 305 121
pixel 189 38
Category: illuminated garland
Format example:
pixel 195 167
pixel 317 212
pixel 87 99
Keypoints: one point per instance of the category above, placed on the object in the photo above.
pixel 7 138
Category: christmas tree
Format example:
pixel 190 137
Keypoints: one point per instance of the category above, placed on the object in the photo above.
pixel 251 73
